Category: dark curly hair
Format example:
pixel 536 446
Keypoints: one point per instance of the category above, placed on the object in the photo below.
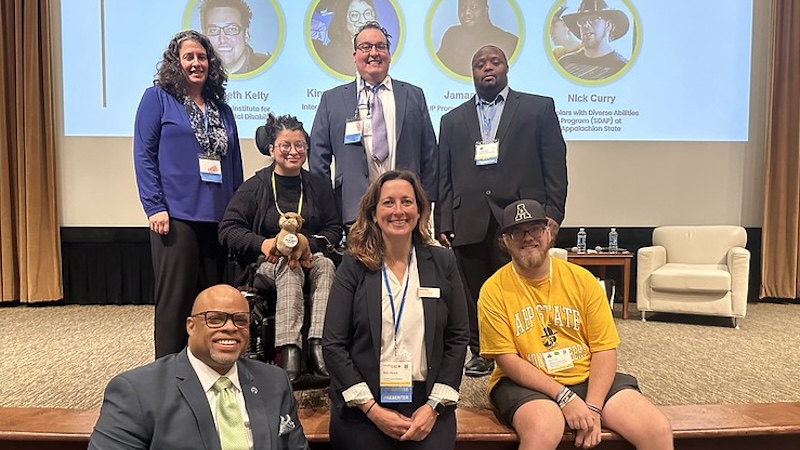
pixel 374 26
pixel 169 75
pixel 365 239
pixel 266 134
pixel 244 10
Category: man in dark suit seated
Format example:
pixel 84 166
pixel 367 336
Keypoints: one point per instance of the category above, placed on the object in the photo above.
pixel 204 396
pixel 495 148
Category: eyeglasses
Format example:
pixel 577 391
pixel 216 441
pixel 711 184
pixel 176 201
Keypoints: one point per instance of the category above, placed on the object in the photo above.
pixel 218 319
pixel 535 232
pixel 355 16
pixel 366 48
pixel 230 30
pixel 589 20
pixel 286 147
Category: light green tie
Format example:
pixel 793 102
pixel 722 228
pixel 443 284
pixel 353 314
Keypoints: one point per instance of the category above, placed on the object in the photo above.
pixel 232 434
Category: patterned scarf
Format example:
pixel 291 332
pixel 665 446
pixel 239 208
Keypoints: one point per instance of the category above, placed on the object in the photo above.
pixel 214 141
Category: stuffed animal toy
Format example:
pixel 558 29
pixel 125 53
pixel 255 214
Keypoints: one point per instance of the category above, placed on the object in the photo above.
pixel 290 243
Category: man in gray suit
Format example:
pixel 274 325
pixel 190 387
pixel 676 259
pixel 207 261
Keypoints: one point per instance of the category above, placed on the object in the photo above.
pixel 204 397
pixel 345 126
pixel 497 147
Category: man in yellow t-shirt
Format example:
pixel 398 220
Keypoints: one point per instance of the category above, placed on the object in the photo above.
pixel 548 326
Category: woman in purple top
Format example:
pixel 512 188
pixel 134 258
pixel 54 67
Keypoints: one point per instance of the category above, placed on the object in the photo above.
pixel 188 165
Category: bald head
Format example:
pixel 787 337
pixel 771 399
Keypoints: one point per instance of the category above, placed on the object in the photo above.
pixel 219 346
pixel 212 297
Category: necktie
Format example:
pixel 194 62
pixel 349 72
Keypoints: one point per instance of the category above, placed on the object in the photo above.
pixel 380 142
pixel 232 434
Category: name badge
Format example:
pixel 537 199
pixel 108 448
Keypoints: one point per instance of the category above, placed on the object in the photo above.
pixel 396 384
pixel 366 127
pixel 210 169
pixel 429 292
pixel 352 131
pixel 558 360
pixel 486 153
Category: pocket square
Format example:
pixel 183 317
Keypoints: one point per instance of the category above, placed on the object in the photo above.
pixel 287 425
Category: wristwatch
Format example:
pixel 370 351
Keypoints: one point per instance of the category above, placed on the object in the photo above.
pixel 437 407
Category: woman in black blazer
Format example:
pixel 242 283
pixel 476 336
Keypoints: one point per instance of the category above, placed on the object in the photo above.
pixel 396 328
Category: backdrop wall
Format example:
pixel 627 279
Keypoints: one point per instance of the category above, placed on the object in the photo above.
pixel 625 184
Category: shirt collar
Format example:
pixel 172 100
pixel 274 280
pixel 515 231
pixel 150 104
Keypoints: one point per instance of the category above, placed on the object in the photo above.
pixel 501 96
pixel 387 82
pixel 209 376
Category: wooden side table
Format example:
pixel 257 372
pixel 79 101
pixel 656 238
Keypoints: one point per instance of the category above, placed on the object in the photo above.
pixel 603 260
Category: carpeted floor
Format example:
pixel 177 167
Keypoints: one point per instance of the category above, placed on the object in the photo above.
pixel 63 356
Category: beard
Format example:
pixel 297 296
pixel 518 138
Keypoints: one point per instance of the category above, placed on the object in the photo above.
pixel 529 258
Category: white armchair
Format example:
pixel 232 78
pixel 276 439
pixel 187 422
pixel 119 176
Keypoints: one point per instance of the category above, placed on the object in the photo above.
pixel 694 270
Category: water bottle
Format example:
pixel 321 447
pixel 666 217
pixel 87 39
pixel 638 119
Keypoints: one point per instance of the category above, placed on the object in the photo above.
pixel 612 240
pixel 582 240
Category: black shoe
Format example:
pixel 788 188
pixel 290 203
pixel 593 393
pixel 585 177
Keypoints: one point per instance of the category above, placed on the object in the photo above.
pixel 290 361
pixel 478 367
pixel 317 361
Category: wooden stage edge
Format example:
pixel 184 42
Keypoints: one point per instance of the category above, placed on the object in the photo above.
pixel 762 425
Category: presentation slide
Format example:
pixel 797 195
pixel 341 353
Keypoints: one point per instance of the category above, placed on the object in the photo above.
pixel 638 70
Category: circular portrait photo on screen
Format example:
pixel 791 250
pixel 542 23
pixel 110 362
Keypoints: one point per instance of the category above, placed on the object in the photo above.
pixel 246 34
pixel 332 24
pixel 593 42
pixel 456 29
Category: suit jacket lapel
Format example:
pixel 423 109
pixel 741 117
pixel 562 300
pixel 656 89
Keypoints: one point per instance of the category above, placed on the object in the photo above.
pixel 256 409
pixel 509 110
pixel 427 278
pixel 400 100
pixel 192 391
pixel 350 99
pixel 374 300
pixel 470 118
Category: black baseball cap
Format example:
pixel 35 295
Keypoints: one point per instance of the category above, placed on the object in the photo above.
pixel 522 211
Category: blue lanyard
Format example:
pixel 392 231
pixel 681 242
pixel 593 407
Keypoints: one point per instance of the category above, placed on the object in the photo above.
pixel 205 117
pixel 396 316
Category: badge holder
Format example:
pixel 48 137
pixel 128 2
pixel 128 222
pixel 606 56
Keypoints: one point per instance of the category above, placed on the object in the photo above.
pixel 210 168
pixel 486 153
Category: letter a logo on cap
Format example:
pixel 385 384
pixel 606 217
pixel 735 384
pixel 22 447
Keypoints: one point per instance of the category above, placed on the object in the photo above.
pixel 522 213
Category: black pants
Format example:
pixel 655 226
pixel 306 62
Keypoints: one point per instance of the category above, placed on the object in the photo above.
pixel 352 430
pixel 186 260
pixel 476 263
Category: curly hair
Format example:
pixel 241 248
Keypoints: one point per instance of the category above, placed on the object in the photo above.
pixel 266 134
pixel 169 75
pixel 365 239
pixel 373 26
pixel 244 10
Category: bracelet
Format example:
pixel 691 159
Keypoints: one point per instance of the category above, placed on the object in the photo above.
pixel 561 394
pixel 366 413
pixel 566 398
pixel 594 408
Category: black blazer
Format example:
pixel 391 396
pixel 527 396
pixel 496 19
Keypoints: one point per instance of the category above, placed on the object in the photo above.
pixel 532 165
pixel 351 340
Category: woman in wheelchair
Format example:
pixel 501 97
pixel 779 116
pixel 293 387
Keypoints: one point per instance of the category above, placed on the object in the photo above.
pixel 250 226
